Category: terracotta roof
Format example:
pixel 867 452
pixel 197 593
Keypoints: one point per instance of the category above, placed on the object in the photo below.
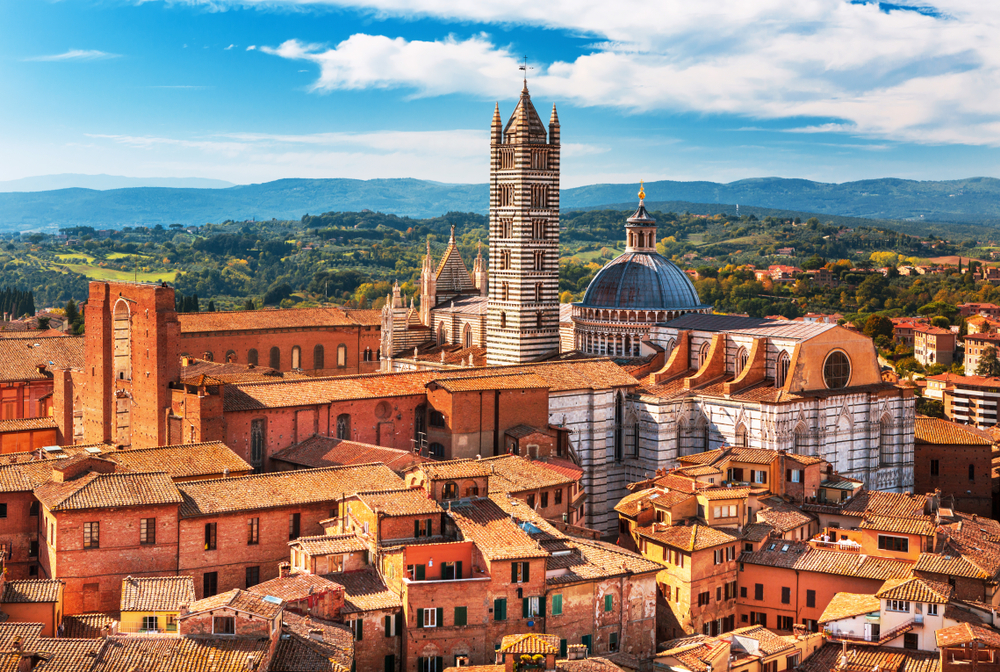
pixel 594 664
pixel 512 473
pixel 955 613
pixel 496 536
pixel 157 593
pixel 452 469
pixel 189 460
pixel 21 357
pixel 330 544
pixel 966 633
pixel 521 431
pixel 596 374
pixel 564 467
pixel 31 590
pixel 364 590
pixel 167 653
pixel 689 538
pixel 501 381
pixel 71 655
pixel 201 371
pixel 768 642
pixel 757 531
pixel 301 651
pixel 879 503
pixel 800 556
pixel 26 424
pixel 944 432
pixel 325 451
pixel 295 587
pixel 922 525
pixel 915 589
pixel 400 502
pixel 95 491
pixel 284 318
pixel 530 643
pixel 934 563
pixel 865 658
pixel 239 600
pixel 86 626
pixel 630 504
pixel 695 653
pixel 592 560
pixel 976 538
pixel 846 605
pixel 782 515
pixel 283 488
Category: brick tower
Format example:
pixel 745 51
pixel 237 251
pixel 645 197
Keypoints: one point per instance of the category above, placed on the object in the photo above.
pixel 131 358
pixel 523 319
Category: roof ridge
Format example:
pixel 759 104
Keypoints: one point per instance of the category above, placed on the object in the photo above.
pixel 277 474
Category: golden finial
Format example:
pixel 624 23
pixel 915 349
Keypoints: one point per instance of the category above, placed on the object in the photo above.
pixel 642 192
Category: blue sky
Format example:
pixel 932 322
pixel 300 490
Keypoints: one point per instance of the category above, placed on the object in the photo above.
pixel 251 91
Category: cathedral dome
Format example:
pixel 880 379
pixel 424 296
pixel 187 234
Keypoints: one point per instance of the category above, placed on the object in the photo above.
pixel 642 281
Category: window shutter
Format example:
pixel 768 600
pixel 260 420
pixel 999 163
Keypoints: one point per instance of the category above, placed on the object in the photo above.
pixel 513 572
pixel 608 602
pixel 541 607
pixel 524 607
pixel 788 476
pixel 399 623
pixel 421 572
pixel 416 528
pixel 525 566
pixel 388 626
pixel 361 629
pixel 458 569
pixel 438 664
pixel 427 527
pixel 420 618
pixel 440 618
pixel 499 609
pixel 421 665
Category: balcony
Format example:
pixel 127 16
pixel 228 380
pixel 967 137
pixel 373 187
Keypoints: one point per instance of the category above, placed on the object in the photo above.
pixel 884 637
pixel 137 629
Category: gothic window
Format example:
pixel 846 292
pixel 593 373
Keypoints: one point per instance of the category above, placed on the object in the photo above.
pixel 252 356
pixel 506 158
pixel 343 426
pixel 506 228
pixel 230 356
pixel 741 360
pixel 538 319
pixel 257 435
pixel 781 369
pixel 539 260
pixel 538 229
pixel 703 354
pixel 442 334
pixel 837 370
pixel 504 260
pixel 275 362
pixel 742 437
pixel 467 336
pixel 618 428
pixel 341 356
pixel 505 291
pixel 652 240
pixel 539 195
pixel 539 159
pixel 801 440
pixel 319 356
pixel 436 450
pixel 506 195
pixel 503 320
pixel 631 435
pixel 296 357
pixel 208 356
pixel 884 442
pixel 368 354
pixel 538 292
pixel 123 341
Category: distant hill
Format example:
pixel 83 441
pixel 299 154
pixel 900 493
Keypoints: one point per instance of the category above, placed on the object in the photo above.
pixel 102 182
pixel 971 201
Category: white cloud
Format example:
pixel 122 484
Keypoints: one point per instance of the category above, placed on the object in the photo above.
pixel 74 55
pixel 899 75
pixel 229 47
pixel 251 47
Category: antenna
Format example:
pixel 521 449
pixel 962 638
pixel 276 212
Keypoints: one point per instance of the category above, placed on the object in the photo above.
pixel 524 68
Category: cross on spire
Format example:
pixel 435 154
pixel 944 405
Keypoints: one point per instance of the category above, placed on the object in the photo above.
pixel 524 68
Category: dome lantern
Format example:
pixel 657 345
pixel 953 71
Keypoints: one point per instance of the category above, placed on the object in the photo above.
pixel 640 228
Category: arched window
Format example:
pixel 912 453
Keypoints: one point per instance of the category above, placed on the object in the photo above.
pixel 368 354
pixel 296 357
pixel 741 360
pixel 275 362
pixel 230 356
pixel 781 369
pixel 442 334
pixel 343 426
pixel 319 356
pixel 703 354
pixel 208 356
pixel 437 419
pixel 837 370
pixel 742 436
pixel 252 356
pixel 801 440
pixel 123 341
pixel 539 260
pixel 467 336
pixel 450 490
pixel 341 356
pixel 503 320
pixel 436 450
pixel 619 429
pixel 258 429
pixel 885 447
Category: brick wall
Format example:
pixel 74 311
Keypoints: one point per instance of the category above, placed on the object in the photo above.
pixel 18 529
pixel 952 479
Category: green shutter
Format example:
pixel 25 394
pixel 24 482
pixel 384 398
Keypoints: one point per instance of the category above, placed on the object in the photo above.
pixel 563 646
pixel 458 569
pixel 428 529
pixel 609 602
pixel 440 619
pixel 513 572
pixel 420 618
pixel 541 607
pixel 461 615
pixel 421 572
pixel 388 625
pixel 524 607
pixel 399 623
pixel 525 576
pixel 557 606
pixel 361 629
pixel 416 528
pixel 586 640
pixel 500 609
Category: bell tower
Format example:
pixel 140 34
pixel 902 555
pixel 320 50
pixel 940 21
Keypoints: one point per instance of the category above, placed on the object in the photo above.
pixel 523 308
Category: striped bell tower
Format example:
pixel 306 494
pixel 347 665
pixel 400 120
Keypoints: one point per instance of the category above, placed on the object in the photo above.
pixel 523 309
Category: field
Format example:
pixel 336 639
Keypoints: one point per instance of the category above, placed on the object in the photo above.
pixel 953 260
pixel 98 273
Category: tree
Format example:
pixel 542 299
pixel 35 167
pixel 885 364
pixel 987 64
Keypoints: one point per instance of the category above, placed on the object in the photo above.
pixel 877 325
pixel 989 365
pixel 940 321
pixel 930 407
pixel 813 263
pixel 211 306
pixel 249 305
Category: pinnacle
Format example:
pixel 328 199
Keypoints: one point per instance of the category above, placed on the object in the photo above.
pixel 554 119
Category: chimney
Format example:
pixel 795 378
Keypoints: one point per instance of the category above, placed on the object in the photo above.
pixel 284 570
pixel 316 633
pixel 183 609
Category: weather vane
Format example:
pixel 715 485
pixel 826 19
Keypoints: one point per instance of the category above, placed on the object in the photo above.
pixel 524 68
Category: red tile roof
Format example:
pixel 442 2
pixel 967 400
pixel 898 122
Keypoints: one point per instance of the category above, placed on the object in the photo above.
pixel 239 600
pixel 285 318
pixel 364 590
pixel 21 357
pixel 944 432
pixel 325 451
pixel 189 460
pixel 496 536
pixel 846 605
pixel 95 491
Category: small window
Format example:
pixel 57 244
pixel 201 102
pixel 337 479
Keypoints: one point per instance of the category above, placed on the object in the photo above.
pixel 609 602
pixel 972 472
pixel 437 419
pixel 3 510
pixel 430 618
pixel 210 584
pixel 33 511
pixel 357 627
pixel 557 605
pixel 147 531
pixel 210 538
pixel 253 531
pixel 786 595
pixel 150 623
pixel 758 591
pixel 341 356
pixel 224 625
pixel 91 535
pixel 450 490
pixel 253 576
pixel 935 468
pixel 294 522
pixel 911 641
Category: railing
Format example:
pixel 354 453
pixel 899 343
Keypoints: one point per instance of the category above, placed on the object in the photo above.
pixel 137 629
pixel 882 639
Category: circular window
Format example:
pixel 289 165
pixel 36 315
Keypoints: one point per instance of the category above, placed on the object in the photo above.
pixel 383 410
pixel 836 370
